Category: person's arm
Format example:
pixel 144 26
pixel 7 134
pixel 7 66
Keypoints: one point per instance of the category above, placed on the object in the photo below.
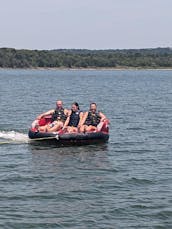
pixel 68 119
pixel 84 117
pixel 44 114
pixel 80 120
pixel 102 116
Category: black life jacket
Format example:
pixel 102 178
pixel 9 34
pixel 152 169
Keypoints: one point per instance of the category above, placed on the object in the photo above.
pixel 92 119
pixel 74 118
pixel 58 115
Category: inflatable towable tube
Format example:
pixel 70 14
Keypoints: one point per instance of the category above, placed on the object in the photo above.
pixel 64 138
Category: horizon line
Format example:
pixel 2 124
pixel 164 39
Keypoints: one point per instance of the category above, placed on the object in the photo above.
pixel 106 49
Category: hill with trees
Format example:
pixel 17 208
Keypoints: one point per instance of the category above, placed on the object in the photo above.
pixel 83 58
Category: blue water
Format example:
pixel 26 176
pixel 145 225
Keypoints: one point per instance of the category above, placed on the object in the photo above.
pixel 126 183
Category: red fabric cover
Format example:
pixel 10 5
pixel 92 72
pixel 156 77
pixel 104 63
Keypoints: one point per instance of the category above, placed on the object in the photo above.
pixel 42 122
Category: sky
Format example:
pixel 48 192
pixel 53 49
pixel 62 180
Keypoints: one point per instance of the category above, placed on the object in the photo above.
pixel 85 24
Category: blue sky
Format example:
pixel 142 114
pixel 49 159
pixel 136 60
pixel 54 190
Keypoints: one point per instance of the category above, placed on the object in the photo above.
pixel 85 24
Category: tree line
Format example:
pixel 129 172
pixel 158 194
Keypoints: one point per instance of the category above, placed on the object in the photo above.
pixel 83 58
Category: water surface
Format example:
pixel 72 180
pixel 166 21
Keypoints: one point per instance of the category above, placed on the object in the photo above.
pixel 126 183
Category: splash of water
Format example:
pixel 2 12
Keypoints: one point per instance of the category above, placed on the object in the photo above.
pixel 14 136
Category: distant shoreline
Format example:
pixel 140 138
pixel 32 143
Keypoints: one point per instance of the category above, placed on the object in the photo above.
pixel 89 69
pixel 76 59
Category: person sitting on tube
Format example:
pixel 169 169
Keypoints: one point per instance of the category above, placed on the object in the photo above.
pixel 91 119
pixel 59 116
pixel 74 118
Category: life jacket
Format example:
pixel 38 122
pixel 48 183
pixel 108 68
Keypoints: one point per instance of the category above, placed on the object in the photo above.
pixel 74 118
pixel 58 115
pixel 92 119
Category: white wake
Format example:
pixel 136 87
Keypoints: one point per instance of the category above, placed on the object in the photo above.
pixel 14 136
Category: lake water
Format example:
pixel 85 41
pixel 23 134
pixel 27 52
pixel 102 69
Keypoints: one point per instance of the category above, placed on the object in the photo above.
pixel 126 183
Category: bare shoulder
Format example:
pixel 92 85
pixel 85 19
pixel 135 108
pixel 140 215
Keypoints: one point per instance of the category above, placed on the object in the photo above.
pixel 66 111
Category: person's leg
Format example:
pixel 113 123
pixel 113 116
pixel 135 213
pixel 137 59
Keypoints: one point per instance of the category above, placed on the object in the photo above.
pixel 82 128
pixel 75 129
pixel 71 129
pixel 55 126
pixel 42 128
pixel 90 128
